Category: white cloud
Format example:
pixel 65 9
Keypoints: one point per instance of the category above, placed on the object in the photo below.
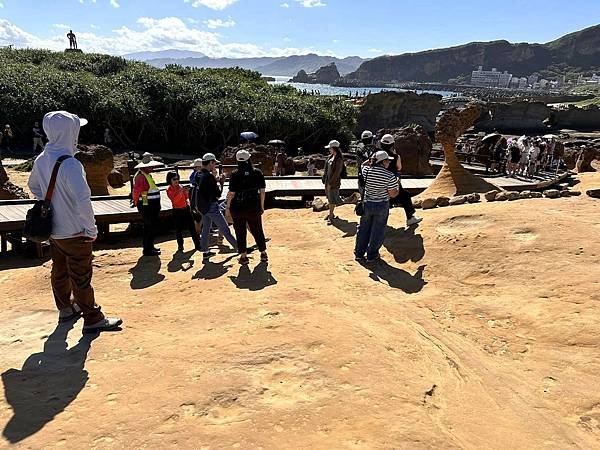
pixel 153 35
pixel 311 3
pixel 94 27
pixel 1 5
pixel 61 26
pixel 375 50
pixel 287 39
pixel 213 24
pixel 212 4
pixel 285 5
pixel 114 3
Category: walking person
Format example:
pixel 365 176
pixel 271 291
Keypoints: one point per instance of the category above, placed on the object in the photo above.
pixel 208 194
pixel 403 198
pixel 73 225
pixel 332 178
pixel 6 138
pixel 197 167
pixel 365 151
pixel 38 137
pixel 246 202
pixel 381 185
pixel 146 197
pixel 182 214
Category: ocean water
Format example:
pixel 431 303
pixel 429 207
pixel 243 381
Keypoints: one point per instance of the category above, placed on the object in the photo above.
pixel 326 89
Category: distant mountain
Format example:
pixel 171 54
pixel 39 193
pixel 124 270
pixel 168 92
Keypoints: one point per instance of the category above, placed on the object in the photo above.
pixel 176 54
pixel 284 66
pixel 577 52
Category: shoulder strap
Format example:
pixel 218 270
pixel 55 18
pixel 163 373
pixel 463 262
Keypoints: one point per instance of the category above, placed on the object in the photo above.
pixel 57 164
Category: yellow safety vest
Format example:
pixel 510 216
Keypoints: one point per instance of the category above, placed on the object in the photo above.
pixel 153 193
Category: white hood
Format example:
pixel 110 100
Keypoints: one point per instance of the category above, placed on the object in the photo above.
pixel 62 129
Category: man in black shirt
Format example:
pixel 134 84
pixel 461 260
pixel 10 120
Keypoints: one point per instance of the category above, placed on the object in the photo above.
pixel 387 144
pixel 209 193
pixel 246 201
pixel 364 153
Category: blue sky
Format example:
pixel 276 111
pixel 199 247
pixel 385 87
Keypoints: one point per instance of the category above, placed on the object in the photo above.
pixel 282 27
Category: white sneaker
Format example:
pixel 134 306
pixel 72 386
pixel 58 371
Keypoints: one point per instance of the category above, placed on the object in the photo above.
pixel 413 221
pixel 106 324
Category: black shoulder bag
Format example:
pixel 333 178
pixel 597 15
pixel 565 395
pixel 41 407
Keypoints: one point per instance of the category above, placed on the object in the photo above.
pixel 38 222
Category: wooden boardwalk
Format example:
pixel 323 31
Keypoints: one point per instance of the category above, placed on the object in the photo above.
pixel 116 209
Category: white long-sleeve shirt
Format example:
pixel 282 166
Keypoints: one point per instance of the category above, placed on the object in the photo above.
pixel 71 202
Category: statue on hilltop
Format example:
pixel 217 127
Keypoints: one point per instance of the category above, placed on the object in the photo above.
pixel 72 40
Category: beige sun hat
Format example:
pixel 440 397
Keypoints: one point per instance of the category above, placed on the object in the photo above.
pixel 148 161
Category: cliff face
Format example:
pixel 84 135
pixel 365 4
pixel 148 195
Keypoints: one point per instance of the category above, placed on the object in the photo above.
pixel 325 75
pixel 398 109
pixel 580 50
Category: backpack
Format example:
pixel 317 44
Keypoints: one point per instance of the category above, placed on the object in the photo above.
pixel 198 202
pixel 38 222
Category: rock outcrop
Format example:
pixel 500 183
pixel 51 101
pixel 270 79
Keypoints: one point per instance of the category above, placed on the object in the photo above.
pixel 515 116
pixel 453 179
pixel 98 162
pixel 263 157
pixel 584 161
pixel 399 109
pixel 9 191
pixel 325 75
pixel 301 162
pixel 413 145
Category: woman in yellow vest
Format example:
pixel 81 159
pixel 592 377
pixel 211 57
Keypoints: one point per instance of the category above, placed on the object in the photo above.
pixel 146 196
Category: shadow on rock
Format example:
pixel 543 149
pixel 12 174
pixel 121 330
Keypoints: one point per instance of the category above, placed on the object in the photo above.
pixel 48 382
pixel 258 279
pixel 212 271
pixel 396 278
pixel 182 261
pixel 146 272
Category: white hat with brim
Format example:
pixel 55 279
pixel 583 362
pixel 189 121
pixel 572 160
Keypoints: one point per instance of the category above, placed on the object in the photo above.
pixel 148 162
pixel 197 162
pixel 381 156
pixel 83 122
pixel 242 155
pixel 333 144
pixel 210 157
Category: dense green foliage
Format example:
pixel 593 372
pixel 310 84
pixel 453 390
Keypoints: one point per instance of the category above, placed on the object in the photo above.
pixel 174 109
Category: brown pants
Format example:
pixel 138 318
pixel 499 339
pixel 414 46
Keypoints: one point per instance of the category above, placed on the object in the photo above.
pixel 72 274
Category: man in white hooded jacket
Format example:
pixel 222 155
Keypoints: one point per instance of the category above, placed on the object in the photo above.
pixel 73 224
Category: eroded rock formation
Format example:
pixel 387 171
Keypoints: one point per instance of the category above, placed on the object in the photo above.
pixel 584 161
pixel 98 162
pixel 325 75
pixel 413 145
pixel 453 179
pixel 399 109
pixel 9 191
pixel 263 156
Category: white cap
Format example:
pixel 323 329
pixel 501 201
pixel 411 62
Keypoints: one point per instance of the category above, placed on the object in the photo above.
pixel 381 156
pixel 242 155
pixel 210 157
pixel 197 162
pixel 388 139
pixel 366 135
pixel 333 144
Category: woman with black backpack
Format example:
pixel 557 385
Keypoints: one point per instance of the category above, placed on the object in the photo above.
pixel 246 203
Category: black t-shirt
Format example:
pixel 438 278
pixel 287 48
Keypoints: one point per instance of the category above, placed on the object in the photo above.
pixel 246 184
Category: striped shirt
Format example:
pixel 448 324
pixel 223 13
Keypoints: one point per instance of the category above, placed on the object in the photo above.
pixel 379 181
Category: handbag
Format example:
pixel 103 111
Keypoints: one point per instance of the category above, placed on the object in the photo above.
pixel 359 209
pixel 38 222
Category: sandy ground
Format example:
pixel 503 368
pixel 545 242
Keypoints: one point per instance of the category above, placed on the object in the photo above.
pixel 478 330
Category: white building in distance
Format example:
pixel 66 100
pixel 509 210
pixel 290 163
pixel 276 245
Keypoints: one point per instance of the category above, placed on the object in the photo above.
pixel 490 78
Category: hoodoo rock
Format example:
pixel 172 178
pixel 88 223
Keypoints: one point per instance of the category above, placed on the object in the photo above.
pixel 413 145
pixel 263 156
pixel 453 179
pixel 9 191
pixel 399 109
pixel 98 162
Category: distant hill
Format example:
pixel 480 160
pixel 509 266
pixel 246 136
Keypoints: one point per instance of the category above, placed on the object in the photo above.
pixel 288 66
pixel 574 53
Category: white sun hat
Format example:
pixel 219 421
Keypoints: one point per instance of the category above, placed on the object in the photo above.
pixel 388 139
pixel 381 155
pixel 366 135
pixel 333 144
pixel 148 161
pixel 210 157
pixel 242 155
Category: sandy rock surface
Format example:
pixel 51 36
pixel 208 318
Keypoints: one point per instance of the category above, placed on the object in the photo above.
pixel 478 330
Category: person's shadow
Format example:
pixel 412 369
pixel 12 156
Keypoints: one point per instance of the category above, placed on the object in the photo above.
pixel 48 382
pixel 257 280
pixel 396 278
pixel 212 271
pixel 181 261
pixel 146 272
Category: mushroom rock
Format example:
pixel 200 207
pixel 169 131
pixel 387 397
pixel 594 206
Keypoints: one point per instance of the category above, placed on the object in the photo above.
pixel 263 156
pixel 98 162
pixel 413 145
pixel 8 190
pixel 584 162
pixel 453 179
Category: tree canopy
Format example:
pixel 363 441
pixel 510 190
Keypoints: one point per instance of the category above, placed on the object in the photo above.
pixel 176 109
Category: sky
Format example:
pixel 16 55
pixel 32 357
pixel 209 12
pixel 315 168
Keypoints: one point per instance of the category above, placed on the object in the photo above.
pixel 245 28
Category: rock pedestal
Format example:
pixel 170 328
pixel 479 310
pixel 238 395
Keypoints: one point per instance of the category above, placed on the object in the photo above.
pixel 263 157
pixel 413 145
pixel 9 191
pixel 98 162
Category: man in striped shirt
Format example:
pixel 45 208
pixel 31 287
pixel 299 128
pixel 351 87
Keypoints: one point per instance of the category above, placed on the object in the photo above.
pixel 380 186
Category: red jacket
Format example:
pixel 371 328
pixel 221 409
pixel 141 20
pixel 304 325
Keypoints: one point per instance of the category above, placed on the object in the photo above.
pixel 179 196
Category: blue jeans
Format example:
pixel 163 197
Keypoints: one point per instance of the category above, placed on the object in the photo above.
pixel 215 215
pixel 371 229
